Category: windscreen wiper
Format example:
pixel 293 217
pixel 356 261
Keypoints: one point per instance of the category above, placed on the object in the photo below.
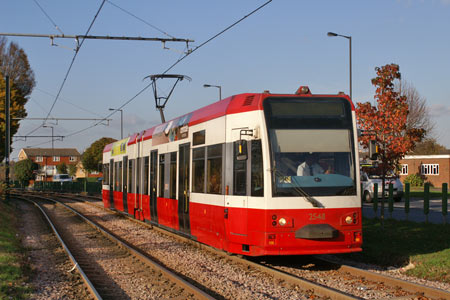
pixel 301 192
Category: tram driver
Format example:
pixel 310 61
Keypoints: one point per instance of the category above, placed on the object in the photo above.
pixel 310 166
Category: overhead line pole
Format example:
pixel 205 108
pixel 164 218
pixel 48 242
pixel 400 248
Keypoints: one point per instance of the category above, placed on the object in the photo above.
pixel 7 136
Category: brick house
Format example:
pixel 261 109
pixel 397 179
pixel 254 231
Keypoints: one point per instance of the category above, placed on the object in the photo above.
pixel 81 173
pixel 48 159
pixel 434 168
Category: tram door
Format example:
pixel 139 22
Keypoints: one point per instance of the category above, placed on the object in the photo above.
pixel 183 188
pixel 124 182
pixel 153 182
pixel 111 183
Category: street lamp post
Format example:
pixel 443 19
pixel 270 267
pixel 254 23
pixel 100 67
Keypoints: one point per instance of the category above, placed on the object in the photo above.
pixel 46 126
pixel 121 121
pixel 332 34
pixel 216 86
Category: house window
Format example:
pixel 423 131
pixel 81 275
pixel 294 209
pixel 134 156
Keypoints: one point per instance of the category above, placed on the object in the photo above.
pixel 404 169
pixel 429 169
pixel 39 159
pixel 55 158
pixel 73 158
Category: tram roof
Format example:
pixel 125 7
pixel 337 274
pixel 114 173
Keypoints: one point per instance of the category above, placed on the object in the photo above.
pixel 235 104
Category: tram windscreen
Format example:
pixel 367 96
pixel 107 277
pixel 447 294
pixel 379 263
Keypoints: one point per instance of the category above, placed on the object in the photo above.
pixel 311 152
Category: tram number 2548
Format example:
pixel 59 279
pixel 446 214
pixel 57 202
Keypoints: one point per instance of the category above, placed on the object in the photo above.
pixel 316 216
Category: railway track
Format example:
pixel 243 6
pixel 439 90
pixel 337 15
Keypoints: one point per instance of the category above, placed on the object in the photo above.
pixel 110 268
pixel 326 279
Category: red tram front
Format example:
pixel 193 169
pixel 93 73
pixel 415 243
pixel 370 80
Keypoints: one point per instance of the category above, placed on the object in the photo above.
pixel 253 174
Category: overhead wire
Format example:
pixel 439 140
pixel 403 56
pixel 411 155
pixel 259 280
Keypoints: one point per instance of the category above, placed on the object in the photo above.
pixel 70 67
pixel 48 17
pixel 170 68
pixel 73 104
pixel 75 56
pixel 142 20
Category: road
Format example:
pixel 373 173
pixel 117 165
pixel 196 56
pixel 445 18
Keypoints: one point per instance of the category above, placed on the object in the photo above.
pixel 415 211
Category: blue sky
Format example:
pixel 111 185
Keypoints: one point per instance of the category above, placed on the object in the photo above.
pixel 279 48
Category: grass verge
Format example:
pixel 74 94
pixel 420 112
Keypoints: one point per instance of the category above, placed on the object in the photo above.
pixel 427 246
pixel 12 272
pixel 418 192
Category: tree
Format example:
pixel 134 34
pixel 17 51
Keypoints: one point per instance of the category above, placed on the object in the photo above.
pixel 24 170
pixel 61 168
pixel 429 146
pixel 72 170
pixel 93 156
pixel 387 123
pixel 14 63
pixel 418 112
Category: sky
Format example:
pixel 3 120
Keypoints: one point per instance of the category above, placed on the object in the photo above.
pixel 280 47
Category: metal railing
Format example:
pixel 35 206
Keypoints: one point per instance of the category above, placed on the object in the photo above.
pixel 426 196
pixel 69 187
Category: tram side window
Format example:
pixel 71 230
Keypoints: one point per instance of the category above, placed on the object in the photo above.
pixel 198 138
pixel 173 175
pixel 138 175
pixel 161 174
pixel 198 170
pixel 105 174
pixel 120 176
pixel 130 174
pixel 257 182
pixel 214 168
pixel 117 176
pixel 145 175
pixel 239 173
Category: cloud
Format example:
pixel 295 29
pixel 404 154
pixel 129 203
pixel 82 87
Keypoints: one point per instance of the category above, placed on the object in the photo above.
pixel 439 110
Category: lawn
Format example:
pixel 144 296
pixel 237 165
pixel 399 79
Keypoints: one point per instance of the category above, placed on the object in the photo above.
pixel 427 246
pixel 12 273
pixel 418 192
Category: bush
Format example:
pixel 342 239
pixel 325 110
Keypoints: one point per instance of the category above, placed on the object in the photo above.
pixel 414 180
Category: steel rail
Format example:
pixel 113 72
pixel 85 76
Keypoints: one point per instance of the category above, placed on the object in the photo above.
pixel 141 256
pixel 86 280
pixel 430 292
pixel 303 283
pixel 427 291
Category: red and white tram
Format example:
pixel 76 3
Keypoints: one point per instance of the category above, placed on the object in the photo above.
pixel 235 175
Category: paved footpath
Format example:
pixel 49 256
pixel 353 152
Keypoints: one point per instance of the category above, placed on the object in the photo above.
pixel 415 211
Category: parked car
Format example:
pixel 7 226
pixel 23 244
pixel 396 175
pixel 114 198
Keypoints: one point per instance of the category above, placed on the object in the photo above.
pixel 62 178
pixel 368 183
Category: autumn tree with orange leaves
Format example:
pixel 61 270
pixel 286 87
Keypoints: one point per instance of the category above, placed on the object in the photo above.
pixel 387 122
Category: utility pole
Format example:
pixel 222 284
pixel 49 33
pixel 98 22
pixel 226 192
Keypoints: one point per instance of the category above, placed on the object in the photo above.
pixel 7 134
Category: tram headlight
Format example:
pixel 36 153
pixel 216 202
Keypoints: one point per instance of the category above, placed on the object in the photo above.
pixel 282 221
pixel 348 220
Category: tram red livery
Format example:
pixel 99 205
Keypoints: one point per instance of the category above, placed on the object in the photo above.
pixel 253 174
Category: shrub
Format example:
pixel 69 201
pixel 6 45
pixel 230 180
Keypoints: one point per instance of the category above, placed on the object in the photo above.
pixel 414 180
